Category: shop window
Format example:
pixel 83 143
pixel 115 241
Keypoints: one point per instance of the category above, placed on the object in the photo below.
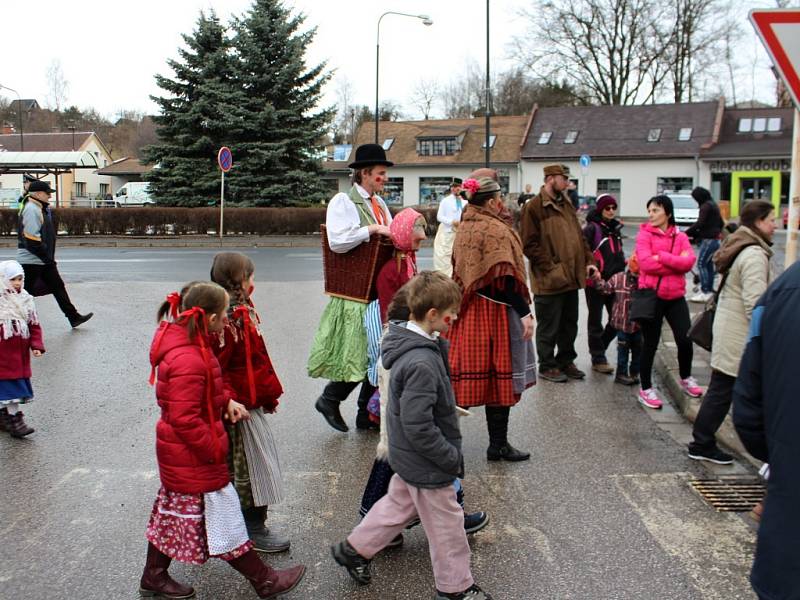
pixel 674 184
pixel 393 191
pixel 571 137
pixel 745 125
pixel 433 189
pixel 545 137
pixel 610 186
pixel 774 124
pixel 654 135
pixel 759 124
pixel 685 134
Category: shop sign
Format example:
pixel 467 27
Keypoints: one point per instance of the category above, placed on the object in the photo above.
pixel 728 166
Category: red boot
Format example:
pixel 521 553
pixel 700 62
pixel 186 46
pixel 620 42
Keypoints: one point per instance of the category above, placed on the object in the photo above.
pixel 156 582
pixel 266 581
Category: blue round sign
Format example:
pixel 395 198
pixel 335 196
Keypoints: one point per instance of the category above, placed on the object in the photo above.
pixel 586 160
pixel 225 159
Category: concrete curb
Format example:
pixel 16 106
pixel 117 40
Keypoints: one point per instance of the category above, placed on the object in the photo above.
pixel 183 241
pixel 666 366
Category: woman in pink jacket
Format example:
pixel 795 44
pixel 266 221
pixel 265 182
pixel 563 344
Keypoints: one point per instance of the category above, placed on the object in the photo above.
pixel 665 256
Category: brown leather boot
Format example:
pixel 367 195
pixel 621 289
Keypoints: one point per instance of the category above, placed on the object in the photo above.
pixel 156 582
pixel 16 426
pixel 266 581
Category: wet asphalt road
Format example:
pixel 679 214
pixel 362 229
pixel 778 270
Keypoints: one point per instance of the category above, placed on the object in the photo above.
pixel 601 511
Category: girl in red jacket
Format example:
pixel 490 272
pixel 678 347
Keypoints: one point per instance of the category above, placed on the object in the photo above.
pixel 20 336
pixel 665 256
pixel 249 378
pixel 196 513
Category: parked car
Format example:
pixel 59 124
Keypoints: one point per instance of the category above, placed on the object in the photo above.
pixel 133 193
pixel 586 204
pixel 686 209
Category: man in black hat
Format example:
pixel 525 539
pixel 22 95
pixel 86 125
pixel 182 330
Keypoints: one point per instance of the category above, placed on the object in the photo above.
pixel 339 352
pixel 36 248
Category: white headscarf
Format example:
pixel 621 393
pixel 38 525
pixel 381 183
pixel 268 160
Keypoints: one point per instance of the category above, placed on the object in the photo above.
pixel 17 309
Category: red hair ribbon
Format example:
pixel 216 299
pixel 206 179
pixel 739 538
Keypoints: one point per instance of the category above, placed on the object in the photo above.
pixel 244 312
pixel 174 300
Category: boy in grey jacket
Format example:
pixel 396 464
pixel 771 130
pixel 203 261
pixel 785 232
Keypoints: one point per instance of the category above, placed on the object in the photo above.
pixel 424 446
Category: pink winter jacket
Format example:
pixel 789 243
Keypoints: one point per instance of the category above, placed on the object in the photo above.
pixel 657 260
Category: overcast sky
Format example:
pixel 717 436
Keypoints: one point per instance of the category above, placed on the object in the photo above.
pixel 109 50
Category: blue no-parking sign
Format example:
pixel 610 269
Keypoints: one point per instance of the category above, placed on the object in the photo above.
pixel 586 160
pixel 225 159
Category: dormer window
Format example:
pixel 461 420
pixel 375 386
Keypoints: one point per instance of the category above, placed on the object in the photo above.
pixel 759 124
pixel 387 143
pixel 437 146
pixel 545 137
pixel 492 140
pixel 571 137
pixel 654 135
pixel 774 124
pixel 745 125
pixel 685 134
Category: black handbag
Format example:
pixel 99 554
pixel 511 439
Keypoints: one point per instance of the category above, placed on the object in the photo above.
pixel 645 300
pixel 701 331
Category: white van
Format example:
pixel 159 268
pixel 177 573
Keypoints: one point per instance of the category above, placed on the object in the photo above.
pixel 133 193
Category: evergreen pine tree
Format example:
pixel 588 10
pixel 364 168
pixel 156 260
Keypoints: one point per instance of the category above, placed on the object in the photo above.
pixel 278 155
pixel 199 114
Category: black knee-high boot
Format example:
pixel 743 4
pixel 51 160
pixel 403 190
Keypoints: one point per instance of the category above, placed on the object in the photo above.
pixel 499 448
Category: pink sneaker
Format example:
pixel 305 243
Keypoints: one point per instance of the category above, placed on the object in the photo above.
pixel 690 386
pixel 650 399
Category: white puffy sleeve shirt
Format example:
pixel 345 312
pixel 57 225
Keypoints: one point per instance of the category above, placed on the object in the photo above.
pixel 343 222
pixel 448 212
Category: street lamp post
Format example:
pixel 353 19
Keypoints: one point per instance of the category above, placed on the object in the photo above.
pixel 426 20
pixel 19 113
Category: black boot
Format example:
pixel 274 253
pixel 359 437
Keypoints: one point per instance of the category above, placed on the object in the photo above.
pixel 156 582
pixel 263 539
pixel 499 448
pixel 266 581
pixel 330 410
pixel 17 426
pixel 4 419
pixel 79 319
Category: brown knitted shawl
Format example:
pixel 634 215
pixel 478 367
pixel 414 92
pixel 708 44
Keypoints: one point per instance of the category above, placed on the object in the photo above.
pixel 486 249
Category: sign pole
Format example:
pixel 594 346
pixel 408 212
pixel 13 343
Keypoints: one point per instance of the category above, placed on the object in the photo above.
pixel 221 204
pixel 794 195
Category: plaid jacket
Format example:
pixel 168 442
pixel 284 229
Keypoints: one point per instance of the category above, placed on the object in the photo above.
pixel 621 285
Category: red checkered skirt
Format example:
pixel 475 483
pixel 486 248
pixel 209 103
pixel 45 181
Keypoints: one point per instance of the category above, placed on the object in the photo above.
pixel 480 355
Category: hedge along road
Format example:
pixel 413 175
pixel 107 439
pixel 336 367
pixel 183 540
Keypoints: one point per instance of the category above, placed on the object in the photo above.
pixel 602 510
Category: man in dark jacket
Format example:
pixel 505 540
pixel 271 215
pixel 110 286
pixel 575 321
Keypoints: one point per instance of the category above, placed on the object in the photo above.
pixel 766 413
pixel 602 233
pixel 36 250
pixel 560 263
pixel 707 231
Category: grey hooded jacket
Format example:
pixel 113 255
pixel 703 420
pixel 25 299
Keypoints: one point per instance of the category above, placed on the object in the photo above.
pixel 424 437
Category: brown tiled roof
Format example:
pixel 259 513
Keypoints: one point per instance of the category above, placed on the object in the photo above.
pixel 403 152
pixel 621 131
pixel 733 144
pixel 125 166
pixel 44 142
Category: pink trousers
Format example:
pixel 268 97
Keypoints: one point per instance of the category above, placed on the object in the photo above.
pixel 442 519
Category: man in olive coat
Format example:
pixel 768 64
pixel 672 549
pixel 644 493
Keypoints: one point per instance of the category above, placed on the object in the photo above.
pixel 560 262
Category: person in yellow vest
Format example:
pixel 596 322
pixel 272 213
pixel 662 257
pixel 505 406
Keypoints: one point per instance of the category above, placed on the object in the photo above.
pixel 449 217
pixel 339 351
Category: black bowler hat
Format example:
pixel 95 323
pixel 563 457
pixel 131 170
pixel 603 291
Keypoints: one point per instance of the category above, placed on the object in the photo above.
pixel 455 181
pixel 368 155
pixel 40 186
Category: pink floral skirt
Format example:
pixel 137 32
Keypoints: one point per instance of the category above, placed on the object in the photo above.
pixel 178 526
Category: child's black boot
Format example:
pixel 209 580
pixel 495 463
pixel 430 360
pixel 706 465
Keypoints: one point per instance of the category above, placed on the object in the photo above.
pixel 356 565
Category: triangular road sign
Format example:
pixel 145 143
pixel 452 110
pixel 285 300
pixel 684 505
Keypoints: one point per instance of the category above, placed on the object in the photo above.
pixel 779 29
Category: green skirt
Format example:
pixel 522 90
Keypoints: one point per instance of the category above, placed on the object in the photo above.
pixel 339 352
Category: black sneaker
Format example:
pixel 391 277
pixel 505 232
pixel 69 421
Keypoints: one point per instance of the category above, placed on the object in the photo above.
pixel 715 455
pixel 474 522
pixel 80 319
pixel 357 566
pixel 473 593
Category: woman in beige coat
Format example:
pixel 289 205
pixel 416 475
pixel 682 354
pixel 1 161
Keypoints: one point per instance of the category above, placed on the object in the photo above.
pixel 743 261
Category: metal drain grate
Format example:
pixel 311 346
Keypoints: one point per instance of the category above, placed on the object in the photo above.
pixel 730 495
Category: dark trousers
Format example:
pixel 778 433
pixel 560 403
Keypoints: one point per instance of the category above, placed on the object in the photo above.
pixel 629 345
pixel 715 406
pixel 338 391
pixel 676 312
pixel 556 326
pixel 50 277
pixel 599 337
pixel 705 265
